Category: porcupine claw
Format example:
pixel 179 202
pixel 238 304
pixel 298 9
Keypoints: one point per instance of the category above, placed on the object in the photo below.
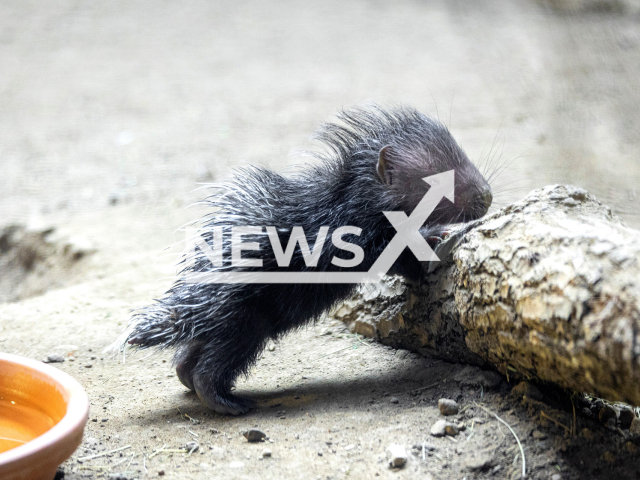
pixel 212 390
pixel 228 405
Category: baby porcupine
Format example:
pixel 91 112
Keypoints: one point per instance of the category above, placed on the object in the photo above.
pixel 374 162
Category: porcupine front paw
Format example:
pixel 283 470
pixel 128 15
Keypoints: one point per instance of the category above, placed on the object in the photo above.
pixel 407 265
pixel 434 234
pixel 223 403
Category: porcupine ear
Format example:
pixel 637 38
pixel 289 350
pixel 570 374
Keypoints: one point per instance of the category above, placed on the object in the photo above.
pixel 384 165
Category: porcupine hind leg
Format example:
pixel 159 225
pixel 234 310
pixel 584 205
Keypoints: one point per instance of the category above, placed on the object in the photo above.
pixel 185 360
pixel 218 366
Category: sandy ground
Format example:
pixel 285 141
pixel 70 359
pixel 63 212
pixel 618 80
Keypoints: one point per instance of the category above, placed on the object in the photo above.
pixel 112 114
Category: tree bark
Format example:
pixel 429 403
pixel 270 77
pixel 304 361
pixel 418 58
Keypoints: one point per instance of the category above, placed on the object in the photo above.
pixel 544 289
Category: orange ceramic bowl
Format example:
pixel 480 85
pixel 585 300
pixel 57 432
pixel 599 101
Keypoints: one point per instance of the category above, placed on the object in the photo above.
pixel 43 412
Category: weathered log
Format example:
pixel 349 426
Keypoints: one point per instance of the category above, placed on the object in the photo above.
pixel 546 288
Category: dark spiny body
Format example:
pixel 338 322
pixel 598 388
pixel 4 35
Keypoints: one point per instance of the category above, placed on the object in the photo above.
pixel 375 162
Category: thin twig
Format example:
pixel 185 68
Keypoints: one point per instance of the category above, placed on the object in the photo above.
pixel 122 461
pixel 360 341
pixel 169 450
pixel 574 426
pixel 156 452
pixel 91 457
pixel 337 351
pixel 524 468
pixel 133 454
pixel 567 429
pixel 191 419
pixel 354 347
pixel 418 390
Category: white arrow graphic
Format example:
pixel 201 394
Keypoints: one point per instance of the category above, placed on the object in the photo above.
pixel 408 235
pixel 442 185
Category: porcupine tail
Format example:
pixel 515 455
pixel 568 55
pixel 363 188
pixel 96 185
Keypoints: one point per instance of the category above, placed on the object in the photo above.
pixel 152 326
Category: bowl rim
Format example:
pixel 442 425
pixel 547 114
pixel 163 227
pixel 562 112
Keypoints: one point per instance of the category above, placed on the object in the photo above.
pixel 70 425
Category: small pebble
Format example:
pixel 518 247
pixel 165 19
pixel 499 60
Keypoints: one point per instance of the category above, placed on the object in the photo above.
pixel 606 413
pixel 626 417
pixel 113 199
pixel 266 453
pixel 480 463
pixel 556 476
pixel 272 348
pixel 54 358
pixel 442 428
pixel 254 435
pixel 528 390
pixel 538 435
pixel 394 400
pixel 448 406
pixel 192 446
pixel 397 456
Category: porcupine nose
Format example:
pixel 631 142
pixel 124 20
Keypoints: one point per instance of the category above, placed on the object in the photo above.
pixel 484 201
pixel 475 202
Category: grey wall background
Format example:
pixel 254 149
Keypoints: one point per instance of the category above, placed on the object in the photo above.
pixel 105 103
